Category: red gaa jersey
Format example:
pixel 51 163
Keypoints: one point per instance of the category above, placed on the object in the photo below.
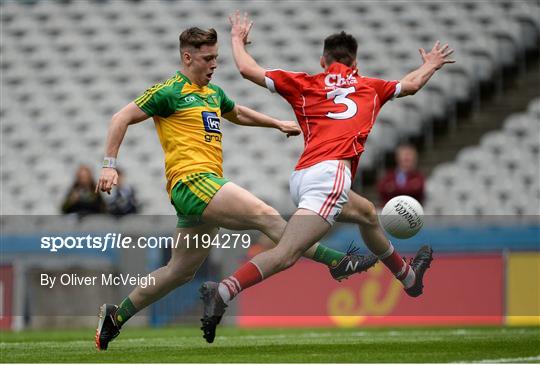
pixel 336 110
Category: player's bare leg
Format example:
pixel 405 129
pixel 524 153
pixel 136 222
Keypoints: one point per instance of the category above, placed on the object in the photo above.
pixel 236 208
pixel 181 268
pixel 302 231
pixel 361 211
pixel 325 191
pixel 184 263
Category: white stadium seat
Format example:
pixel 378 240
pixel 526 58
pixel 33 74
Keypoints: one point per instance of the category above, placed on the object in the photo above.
pixel 499 176
pixel 96 58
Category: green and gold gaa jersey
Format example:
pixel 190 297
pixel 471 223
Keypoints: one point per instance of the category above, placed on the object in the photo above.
pixel 187 118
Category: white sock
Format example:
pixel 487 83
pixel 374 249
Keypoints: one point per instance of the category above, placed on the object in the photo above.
pixel 410 278
pixel 224 293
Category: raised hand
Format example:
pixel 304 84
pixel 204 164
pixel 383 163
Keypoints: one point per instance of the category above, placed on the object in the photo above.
pixel 240 26
pixel 438 56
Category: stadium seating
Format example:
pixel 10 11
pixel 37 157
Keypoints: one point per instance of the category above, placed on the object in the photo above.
pixel 67 66
pixel 501 176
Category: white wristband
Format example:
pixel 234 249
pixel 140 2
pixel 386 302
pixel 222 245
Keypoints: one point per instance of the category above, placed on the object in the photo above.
pixel 109 162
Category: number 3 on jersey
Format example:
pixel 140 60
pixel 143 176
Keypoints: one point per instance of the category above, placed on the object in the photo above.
pixel 340 97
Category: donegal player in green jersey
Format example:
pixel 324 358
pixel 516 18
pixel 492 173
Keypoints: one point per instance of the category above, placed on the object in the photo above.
pixel 187 111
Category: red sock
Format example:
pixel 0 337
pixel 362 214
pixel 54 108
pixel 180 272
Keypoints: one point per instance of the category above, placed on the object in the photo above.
pixel 401 270
pixel 394 262
pixel 247 275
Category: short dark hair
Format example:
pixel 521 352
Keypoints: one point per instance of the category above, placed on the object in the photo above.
pixel 197 37
pixel 340 47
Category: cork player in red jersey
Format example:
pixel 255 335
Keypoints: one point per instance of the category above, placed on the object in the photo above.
pixel 336 110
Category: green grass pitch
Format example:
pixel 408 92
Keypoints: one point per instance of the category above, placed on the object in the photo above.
pixel 185 344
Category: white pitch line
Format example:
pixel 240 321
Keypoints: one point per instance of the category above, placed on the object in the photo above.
pixel 502 360
pixel 530 358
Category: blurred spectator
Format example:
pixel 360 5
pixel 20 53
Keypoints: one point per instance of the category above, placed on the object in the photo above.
pixel 82 198
pixel 405 179
pixel 122 200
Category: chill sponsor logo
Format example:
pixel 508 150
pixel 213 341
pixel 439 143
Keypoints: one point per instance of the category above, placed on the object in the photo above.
pixel 212 126
pixel 409 215
pixel 336 80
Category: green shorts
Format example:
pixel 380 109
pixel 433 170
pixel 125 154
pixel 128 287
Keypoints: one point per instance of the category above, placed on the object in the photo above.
pixel 191 195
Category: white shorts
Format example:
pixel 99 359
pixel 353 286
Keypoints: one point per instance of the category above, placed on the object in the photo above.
pixel 322 188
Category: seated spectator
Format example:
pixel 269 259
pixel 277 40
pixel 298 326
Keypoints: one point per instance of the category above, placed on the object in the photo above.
pixel 405 179
pixel 122 200
pixel 82 198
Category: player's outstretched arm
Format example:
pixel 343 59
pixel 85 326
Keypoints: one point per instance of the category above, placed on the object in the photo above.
pixel 130 114
pixel 432 61
pixel 248 67
pixel 243 115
